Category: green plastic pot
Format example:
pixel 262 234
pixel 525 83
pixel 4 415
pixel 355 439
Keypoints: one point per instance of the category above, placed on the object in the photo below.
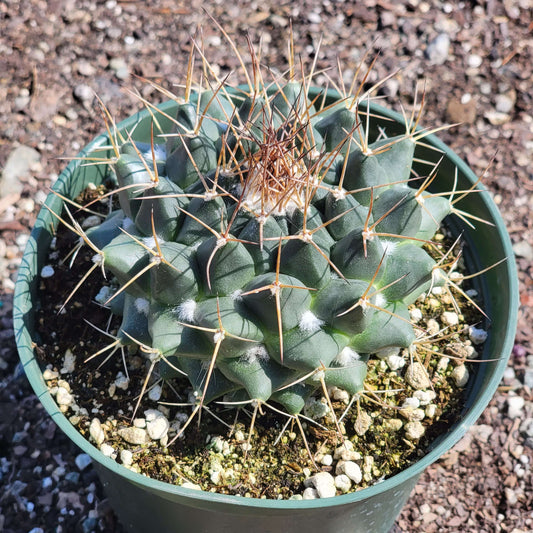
pixel 146 505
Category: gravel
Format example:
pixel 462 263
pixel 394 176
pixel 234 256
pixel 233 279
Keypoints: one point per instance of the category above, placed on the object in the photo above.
pixel 475 59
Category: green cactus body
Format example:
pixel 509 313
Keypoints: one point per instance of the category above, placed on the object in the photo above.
pixel 269 244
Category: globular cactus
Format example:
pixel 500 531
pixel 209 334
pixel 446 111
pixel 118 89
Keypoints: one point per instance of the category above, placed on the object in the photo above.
pixel 267 248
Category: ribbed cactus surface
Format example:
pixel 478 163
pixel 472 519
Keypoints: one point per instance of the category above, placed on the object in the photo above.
pixel 266 247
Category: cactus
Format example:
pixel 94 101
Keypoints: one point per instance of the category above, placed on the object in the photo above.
pixel 268 246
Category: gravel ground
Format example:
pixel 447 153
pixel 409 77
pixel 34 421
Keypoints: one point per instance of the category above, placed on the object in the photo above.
pixel 475 60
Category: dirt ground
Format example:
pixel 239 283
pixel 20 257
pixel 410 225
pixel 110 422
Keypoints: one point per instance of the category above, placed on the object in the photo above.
pixel 475 61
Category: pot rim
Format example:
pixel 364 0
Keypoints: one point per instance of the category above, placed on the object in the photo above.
pixel 22 302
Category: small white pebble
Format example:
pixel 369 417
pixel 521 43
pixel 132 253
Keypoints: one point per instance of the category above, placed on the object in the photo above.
pixel 461 375
pixel 432 326
pixel 69 363
pixel 477 335
pixel 47 271
pixel 139 422
pixel 411 403
pixel 324 484
pixel 416 376
pixel 414 430
pixel 343 483
pixel 351 469
pixel 424 397
pixel 49 374
pixel 121 381
pixel 63 397
pixel 327 460
pixel 155 393
pixel 415 314
pixel 83 461
pixel 310 494
pixel 96 431
pixel 450 318
pixel 515 405
pixel 126 457
pixel 431 410
pixel 134 435
pixel 91 221
pixel 107 449
pixel 158 427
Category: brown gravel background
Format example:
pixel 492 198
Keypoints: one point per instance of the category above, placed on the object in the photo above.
pixel 475 59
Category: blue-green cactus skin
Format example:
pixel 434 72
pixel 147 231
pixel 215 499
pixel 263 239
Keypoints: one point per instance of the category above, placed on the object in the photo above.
pixel 270 245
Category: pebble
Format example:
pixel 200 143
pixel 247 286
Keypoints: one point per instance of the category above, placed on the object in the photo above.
pixel 450 318
pixel 504 103
pixel 496 118
pixel 350 469
pixel 523 249
pixel 417 376
pixel 96 431
pixel 121 381
pixel 69 363
pixel 415 314
pixel 134 435
pixel 107 449
pixel 424 397
pixel 83 461
pixel 461 375
pixel 474 60
pixel 86 69
pixel 414 430
pixel 155 393
pixel 515 405
pixel 189 485
pixel 63 397
pixel 431 410
pixel 438 49
pixel 18 165
pixel 126 457
pixel 362 423
pixel 158 427
pixel 324 484
pixel 343 483
pixel 327 460
pixel 310 494
pixel 482 432
pixel 460 111
pixel 477 335
pixel 119 66
pixel 83 92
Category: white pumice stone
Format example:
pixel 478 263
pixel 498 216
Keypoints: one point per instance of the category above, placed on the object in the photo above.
pixel 63 397
pixel 107 449
pixel 310 494
pixel 96 431
pixel 324 484
pixel 416 375
pixel 450 318
pixel 343 483
pixel 414 430
pixel 350 469
pixel 515 405
pixel 126 457
pixel 133 435
pixel 460 374
pixel 477 335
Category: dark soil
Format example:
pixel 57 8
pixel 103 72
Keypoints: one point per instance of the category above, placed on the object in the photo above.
pixel 53 53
